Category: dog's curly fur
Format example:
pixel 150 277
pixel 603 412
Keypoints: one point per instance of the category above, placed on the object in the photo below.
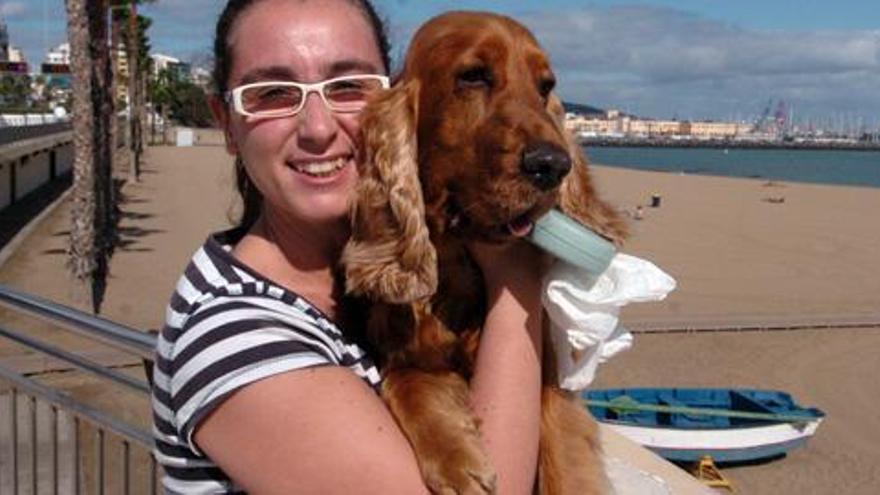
pixel 444 164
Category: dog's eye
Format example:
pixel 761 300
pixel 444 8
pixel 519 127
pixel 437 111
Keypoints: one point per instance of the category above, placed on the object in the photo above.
pixel 474 77
pixel 546 86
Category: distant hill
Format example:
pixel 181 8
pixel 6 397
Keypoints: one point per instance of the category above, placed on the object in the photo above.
pixel 581 109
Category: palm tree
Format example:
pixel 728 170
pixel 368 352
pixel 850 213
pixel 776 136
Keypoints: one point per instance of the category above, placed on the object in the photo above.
pixel 94 212
pixel 91 230
pixel 14 92
pixel 134 77
pixel 136 45
pixel 161 90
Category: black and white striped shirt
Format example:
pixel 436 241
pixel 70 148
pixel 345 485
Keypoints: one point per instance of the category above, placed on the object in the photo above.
pixel 226 327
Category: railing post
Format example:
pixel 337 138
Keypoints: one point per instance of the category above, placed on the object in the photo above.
pixel 77 458
pixel 154 474
pixel 33 413
pixel 13 417
pixel 125 467
pixel 99 461
pixel 53 431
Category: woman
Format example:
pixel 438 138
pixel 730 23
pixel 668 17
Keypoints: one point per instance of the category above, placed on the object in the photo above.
pixel 261 385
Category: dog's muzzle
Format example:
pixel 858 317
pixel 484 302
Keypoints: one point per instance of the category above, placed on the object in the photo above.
pixel 545 165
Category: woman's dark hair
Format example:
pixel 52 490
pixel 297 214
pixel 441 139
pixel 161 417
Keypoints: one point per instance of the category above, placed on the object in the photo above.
pixel 250 196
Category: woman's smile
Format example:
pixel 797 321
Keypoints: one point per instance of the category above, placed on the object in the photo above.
pixel 324 172
pixel 320 168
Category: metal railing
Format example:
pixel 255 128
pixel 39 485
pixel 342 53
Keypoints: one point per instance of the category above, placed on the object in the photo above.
pixel 17 133
pixel 52 441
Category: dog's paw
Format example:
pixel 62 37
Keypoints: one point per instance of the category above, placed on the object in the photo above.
pixel 470 476
pixel 452 459
pixel 432 410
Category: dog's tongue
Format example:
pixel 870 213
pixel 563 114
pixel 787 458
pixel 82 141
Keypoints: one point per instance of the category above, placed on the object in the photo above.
pixel 520 227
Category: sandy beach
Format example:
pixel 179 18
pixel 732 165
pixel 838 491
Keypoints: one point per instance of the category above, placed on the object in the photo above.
pixel 743 261
pixel 742 258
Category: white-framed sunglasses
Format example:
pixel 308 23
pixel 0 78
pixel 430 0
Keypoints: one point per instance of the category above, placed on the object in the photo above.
pixel 285 98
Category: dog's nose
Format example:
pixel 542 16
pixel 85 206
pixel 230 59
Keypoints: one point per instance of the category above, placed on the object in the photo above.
pixel 545 165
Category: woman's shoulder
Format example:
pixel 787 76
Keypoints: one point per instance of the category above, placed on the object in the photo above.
pixel 214 273
pixel 227 327
pixel 218 297
pixel 215 282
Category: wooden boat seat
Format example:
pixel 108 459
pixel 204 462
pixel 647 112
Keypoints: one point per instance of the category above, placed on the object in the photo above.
pixel 687 420
pixel 742 402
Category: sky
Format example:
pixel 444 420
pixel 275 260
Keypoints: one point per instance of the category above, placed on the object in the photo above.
pixel 685 59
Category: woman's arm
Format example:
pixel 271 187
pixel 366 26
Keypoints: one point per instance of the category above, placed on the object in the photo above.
pixel 506 386
pixel 318 430
pixel 322 430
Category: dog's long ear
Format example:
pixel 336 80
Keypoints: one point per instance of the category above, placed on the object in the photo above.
pixel 389 256
pixel 577 197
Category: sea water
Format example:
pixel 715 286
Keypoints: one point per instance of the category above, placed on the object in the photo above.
pixel 853 168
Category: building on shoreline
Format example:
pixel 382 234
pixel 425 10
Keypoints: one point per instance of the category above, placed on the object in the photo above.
pixel 716 130
pixel 4 41
pixel 12 62
pixel 614 124
pixel 168 63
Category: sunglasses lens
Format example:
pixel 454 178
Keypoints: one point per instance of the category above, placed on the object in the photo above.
pixel 271 99
pixel 350 94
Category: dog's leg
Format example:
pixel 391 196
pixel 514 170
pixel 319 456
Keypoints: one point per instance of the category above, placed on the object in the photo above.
pixel 570 461
pixel 432 408
pixel 570 457
pixel 570 452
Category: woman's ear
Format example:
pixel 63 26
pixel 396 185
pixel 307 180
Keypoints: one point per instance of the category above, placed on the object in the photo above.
pixel 389 256
pixel 220 110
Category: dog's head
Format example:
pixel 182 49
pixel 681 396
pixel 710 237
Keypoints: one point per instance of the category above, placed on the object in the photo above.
pixel 469 142
pixel 491 155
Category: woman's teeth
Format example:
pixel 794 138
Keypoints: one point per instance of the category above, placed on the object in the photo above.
pixel 320 169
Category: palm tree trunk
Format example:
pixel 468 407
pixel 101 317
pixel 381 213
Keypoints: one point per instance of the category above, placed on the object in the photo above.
pixel 134 102
pixel 82 232
pixel 92 110
pixel 115 41
pixel 106 117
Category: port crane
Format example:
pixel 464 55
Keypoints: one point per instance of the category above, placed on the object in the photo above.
pixel 772 123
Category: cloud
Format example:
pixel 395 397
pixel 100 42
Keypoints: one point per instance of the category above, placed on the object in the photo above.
pixel 652 61
pixel 12 9
pixel 664 44
pixel 665 61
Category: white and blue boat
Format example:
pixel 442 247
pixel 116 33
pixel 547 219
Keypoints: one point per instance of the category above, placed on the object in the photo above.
pixel 686 424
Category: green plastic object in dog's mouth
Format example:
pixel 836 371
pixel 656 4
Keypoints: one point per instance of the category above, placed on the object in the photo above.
pixel 568 240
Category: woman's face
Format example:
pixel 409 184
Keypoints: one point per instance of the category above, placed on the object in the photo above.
pixel 304 165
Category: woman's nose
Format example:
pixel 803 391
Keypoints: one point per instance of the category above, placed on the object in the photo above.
pixel 317 126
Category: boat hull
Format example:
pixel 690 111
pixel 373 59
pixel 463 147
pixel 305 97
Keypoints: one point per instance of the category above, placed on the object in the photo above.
pixel 739 445
pixel 686 424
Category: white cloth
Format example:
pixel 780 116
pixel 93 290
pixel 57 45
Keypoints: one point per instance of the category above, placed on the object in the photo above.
pixel 584 312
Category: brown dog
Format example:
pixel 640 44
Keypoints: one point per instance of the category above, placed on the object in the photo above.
pixel 469 144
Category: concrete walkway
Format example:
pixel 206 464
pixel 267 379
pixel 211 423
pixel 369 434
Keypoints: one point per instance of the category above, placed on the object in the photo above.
pixel 184 194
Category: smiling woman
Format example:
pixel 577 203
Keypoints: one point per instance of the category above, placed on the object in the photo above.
pixel 263 382
pixel 287 159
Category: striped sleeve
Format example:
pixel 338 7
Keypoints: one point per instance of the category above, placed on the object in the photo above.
pixel 230 342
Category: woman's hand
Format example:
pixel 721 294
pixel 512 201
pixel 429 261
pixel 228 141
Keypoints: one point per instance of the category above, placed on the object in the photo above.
pixel 517 265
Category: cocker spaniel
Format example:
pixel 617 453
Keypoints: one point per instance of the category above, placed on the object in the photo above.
pixel 468 144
